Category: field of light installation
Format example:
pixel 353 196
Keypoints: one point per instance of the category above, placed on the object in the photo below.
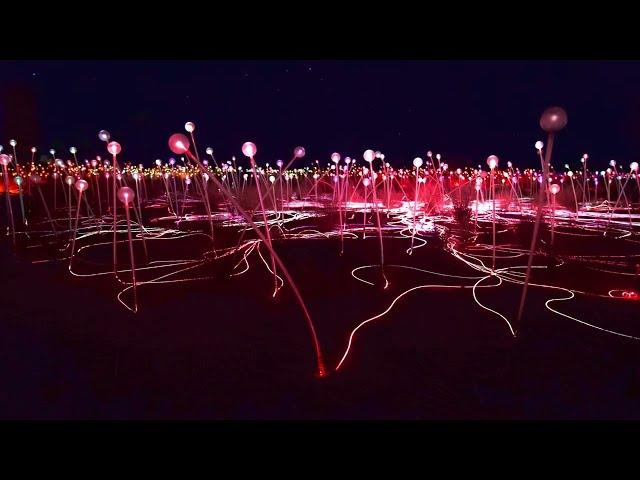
pixel 258 288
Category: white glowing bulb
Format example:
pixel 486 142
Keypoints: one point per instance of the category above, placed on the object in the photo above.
pixel 492 161
pixel 539 145
pixel 189 126
pixel 633 166
pixel 209 150
pixel 335 157
pixel 13 143
pixel 368 155
pixel 73 150
pixel 249 149
pixel 417 162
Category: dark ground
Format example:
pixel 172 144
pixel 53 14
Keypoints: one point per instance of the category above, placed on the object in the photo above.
pixel 223 349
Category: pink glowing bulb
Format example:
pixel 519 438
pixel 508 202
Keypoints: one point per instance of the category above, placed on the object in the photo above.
pixel 186 180
pixel 178 143
pixel 190 127
pixel 33 149
pixel 429 154
pixel 299 152
pixel 417 162
pixel 366 182
pixel 82 185
pixel 492 161
pixel 249 149
pixel 279 163
pixel 114 148
pixel 612 163
pixel 335 157
pixel 633 166
pixel 553 119
pixel 554 188
pixel 5 159
pixel 368 155
pixel 125 195
pixel 347 160
pixel 94 163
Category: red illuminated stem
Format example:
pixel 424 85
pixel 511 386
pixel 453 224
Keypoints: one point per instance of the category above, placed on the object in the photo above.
pixel 536 228
pixel 114 186
pixel 75 230
pixel 9 209
pixel 133 267
pixel 321 371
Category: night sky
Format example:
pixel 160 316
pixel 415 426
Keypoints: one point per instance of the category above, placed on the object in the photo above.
pixel 464 110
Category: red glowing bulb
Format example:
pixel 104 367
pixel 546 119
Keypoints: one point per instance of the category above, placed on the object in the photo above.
pixel 114 148
pixel 126 195
pixel 178 143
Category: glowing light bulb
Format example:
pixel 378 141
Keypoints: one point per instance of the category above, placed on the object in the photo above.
pixel 272 178
pixel 249 149
pixel 570 174
pixel 366 182
pixel 279 163
pixel 73 150
pixel 509 164
pixel 554 188
pixel 209 151
pixel 33 149
pixel 172 161
pixel 178 143
pixel 335 157
pixel 417 162
pixel 104 135
pixel 13 143
pixel 189 126
pixel 429 154
pixel 539 145
pixel 368 155
pixel 5 159
pixel 158 162
pixel 186 180
pixel 492 161
pixel 299 152
pixel 125 195
pixel 94 163
pixel 347 160
pixel 612 163
pixel 553 119
pixel 114 148
pixel 18 180
pixel 82 185
pixel 69 180
pixel 633 166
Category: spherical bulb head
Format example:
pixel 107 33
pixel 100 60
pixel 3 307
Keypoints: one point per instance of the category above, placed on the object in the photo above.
pixel 539 145
pixel 158 162
pixel 272 178
pixel 13 143
pixel 570 174
pixel 69 180
pixel 33 149
pixel 492 161
pixel 554 188
pixel 553 119
pixel 190 127
pixel 299 152
pixel 347 160
pixel 104 135
pixel 279 163
pixel 335 157
pixel 73 150
pixel 114 148
pixel 249 149
pixel 368 155
pixel 94 163
pixel 125 195
pixel 1 148
pixel 417 162
pixel 209 151
pixel 438 156
pixel 429 154
pixel 52 152
pixel 612 163
pixel 178 143
pixel 366 182
pixel 172 161
pixel 82 185
pixel 509 164
pixel 633 166
pixel 18 180
pixel 5 159
pixel 186 180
